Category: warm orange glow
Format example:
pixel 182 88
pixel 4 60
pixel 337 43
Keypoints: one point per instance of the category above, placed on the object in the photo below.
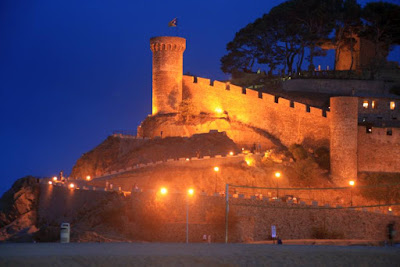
pixel 390 209
pixel 392 105
pixel 352 183
pixel 231 153
pixel 187 159
pixel 365 104
pixel 163 191
pixel 373 104
pixel 88 178
pixel 190 191
pixel 219 110
pixel 249 161
pixel 71 186
pixel 277 174
pixel 50 182
pixel 216 169
pixel 55 178
pixel 154 110
pixel 242 148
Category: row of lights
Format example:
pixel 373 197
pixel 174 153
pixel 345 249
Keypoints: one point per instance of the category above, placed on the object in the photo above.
pixel 164 191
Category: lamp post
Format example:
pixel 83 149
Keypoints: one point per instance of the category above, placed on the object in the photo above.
pixel 216 170
pixel 190 193
pixel 352 184
pixel 277 175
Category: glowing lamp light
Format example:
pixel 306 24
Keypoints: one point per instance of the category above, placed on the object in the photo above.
pixel 50 182
pixel 352 183
pixel 277 174
pixel 390 209
pixel 231 153
pixel 71 186
pixel 88 178
pixel 187 159
pixel 392 105
pixel 219 110
pixel 248 162
pixel 163 191
pixel 55 178
pixel 190 191
pixel 216 169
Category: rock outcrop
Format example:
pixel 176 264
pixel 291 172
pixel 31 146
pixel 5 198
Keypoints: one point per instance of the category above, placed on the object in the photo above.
pixel 117 152
pixel 18 210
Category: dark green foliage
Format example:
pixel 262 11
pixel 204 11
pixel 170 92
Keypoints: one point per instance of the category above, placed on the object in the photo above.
pixel 281 37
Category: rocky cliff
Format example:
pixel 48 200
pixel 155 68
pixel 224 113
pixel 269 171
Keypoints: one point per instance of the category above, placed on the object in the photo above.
pixel 120 152
pixel 18 210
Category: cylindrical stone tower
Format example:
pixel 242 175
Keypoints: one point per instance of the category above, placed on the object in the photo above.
pixel 343 140
pixel 167 73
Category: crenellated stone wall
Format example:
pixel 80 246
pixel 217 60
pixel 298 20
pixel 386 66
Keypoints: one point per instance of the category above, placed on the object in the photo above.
pixel 290 122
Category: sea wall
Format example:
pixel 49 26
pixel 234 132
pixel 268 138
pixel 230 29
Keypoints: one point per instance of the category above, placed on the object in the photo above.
pixel 250 219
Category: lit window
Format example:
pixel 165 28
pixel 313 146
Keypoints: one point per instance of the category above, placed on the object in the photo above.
pixel 373 104
pixel 392 105
pixel 365 104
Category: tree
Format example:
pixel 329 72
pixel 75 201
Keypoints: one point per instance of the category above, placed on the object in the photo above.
pixel 280 37
pixel 348 24
pixel 382 27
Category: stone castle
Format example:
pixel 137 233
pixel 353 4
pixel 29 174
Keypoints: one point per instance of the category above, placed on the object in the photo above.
pixel 359 125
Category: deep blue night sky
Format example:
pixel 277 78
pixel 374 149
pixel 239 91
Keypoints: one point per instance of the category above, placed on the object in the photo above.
pixel 72 72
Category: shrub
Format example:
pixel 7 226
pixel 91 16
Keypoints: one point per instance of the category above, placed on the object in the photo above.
pixel 298 152
pixel 323 157
pixel 306 173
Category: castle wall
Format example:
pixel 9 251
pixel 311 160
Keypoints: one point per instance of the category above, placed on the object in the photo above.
pixel 335 86
pixel 290 122
pixel 343 141
pixel 378 151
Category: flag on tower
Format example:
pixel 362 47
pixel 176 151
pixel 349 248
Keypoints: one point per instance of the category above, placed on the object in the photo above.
pixel 173 23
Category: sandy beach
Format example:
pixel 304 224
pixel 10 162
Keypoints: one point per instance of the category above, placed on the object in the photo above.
pixel 178 254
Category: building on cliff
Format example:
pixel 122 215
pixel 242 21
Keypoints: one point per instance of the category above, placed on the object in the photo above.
pixel 360 125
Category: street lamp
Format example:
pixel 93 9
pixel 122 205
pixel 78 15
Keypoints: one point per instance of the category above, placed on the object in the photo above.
pixel 352 184
pixel 216 170
pixel 163 191
pixel 277 175
pixel 88 178
pixel 190 193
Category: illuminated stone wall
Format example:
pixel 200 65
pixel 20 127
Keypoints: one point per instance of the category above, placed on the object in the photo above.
pixel 378 151
pixel 290 122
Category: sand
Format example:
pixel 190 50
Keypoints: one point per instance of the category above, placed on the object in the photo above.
pixel 168 254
